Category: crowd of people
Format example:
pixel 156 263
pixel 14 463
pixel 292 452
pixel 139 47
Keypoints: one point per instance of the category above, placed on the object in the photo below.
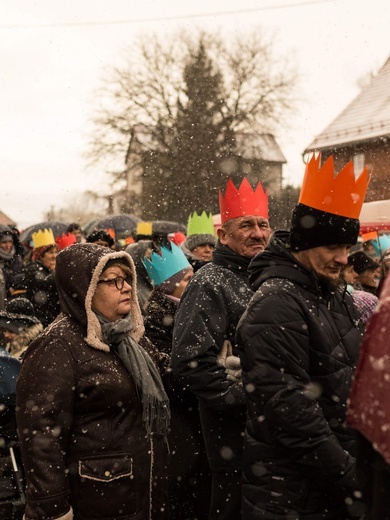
pixel 204 376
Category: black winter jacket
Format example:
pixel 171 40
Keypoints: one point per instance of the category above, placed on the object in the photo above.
pixel 205 323
pixel 42 292
pixel 299 345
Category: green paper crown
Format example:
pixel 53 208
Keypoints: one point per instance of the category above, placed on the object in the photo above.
pixel 200 224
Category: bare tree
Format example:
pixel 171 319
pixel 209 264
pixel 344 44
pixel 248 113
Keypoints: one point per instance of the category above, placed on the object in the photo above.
pixel 81 208
pixel 149 89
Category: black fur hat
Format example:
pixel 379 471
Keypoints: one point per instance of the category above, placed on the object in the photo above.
pixel 18 315
pixel 311 227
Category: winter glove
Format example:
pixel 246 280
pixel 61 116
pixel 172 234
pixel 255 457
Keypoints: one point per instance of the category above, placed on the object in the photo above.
pixel 233 369
pixel 225 352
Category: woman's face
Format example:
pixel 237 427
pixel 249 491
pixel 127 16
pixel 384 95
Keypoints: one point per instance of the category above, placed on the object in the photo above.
pixel 113 303
pixel 349 274
pixel 369 277
pixel 49 258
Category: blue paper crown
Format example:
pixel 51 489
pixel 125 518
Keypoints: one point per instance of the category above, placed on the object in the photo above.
pixel 171 261
pixel 381 244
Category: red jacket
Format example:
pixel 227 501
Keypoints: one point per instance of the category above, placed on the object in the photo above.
pixel 369 403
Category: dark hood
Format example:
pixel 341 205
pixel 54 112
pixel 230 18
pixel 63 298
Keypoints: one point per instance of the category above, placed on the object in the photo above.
pixel 276 261
pixel 78 268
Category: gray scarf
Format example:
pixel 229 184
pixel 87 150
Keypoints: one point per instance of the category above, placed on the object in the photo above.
pixel 155 404
pixel 7 256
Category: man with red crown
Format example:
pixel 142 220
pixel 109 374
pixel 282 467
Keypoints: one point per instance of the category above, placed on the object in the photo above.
pixel 299 342
pixel 204 356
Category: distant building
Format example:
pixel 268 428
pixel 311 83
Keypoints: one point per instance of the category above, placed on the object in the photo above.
pixel 259 157
pixel 362 133
pixel 5 220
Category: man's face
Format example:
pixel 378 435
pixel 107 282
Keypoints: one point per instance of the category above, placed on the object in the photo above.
pixel 77 233
pixel 247 235
pixel 326 261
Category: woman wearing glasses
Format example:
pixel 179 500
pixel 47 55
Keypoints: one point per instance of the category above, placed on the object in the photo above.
pixel 93 415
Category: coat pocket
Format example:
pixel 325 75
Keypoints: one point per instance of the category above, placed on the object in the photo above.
pixel 105 488
pixel 106 469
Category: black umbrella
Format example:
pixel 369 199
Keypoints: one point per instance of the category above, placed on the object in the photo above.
pixel 123 225
pixel 158 231
pixel 57 227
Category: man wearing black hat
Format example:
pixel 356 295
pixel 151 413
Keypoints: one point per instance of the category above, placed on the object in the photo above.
pixel 299 340
pixel 19 325
pixel 367 269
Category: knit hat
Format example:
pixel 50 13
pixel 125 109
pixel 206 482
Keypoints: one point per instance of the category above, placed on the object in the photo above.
pixel 6 237
pixel 329 206
pixel 18 315
pixel 361 261
pixel 194 241
pixel 365 303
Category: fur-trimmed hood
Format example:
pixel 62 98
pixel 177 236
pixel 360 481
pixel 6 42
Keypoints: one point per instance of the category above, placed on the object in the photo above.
pixel 78 268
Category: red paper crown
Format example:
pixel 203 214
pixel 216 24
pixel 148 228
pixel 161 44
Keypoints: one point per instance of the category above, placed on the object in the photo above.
pixel 65 240
pixel 340 195
pixel 244 201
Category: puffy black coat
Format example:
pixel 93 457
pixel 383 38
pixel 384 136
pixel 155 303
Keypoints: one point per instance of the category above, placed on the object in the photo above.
pixel 42 292
pixel 299 346
pixel 82 437
pixel 209 310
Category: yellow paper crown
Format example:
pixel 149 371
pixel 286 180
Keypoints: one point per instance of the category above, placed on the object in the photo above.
pixel 42 238
pixel 342 194
pixel 145 228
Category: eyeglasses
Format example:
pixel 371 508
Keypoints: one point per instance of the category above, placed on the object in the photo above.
pixel 119 281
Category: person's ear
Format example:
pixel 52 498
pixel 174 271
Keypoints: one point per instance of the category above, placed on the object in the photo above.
pixel 222 235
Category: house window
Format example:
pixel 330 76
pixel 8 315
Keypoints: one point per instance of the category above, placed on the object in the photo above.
pixel 358 164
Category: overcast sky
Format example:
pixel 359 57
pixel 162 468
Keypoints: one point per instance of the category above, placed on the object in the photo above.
pixel 54 54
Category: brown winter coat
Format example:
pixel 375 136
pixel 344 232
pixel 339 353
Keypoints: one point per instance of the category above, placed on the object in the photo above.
pixel 83 442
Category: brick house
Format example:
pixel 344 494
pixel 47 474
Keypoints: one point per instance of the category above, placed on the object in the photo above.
pixel 362 133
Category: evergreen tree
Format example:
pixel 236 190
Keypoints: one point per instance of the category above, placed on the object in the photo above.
pixel 186 176
pixel 200 136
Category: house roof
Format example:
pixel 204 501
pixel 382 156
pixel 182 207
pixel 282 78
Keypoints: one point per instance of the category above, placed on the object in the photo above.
pixel 251 146
pixel 6 221
pixel 259 146
pixel 367 117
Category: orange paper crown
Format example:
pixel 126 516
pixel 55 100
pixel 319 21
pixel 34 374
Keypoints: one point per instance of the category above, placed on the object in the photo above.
pixel 340 195
pixel 244 201
pixel 65 240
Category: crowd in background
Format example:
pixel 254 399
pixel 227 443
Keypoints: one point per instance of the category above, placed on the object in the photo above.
pixel 203 469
